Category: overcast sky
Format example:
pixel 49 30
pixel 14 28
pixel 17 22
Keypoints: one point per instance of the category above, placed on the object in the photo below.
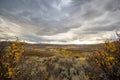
pixel 59 21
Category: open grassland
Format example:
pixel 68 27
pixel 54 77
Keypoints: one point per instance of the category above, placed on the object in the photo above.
pixel 22 61
pixel 47 50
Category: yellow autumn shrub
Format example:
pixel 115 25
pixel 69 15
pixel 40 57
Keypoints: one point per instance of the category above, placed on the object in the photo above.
pixel 10 55
pixel 107 61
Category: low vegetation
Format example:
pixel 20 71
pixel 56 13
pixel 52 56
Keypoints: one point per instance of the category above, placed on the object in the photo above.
pixel 19 61
pixel 105 63
pixel 52 68
pixel 10 57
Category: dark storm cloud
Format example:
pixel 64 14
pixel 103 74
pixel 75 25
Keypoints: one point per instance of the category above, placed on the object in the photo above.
pixel 58 20
pixel 42 14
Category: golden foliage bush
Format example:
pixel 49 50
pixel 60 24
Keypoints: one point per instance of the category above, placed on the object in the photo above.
pixel 106 62
pixel 10 55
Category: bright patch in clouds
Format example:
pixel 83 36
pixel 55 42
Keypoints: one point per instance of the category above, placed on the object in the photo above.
pixel 65 3
pixel 9 29
pixel 62 4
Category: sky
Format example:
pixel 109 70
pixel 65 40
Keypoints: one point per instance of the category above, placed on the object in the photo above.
pixel 59 21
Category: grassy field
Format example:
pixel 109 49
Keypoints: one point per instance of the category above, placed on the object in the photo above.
pixel 47 50
pixel 23 61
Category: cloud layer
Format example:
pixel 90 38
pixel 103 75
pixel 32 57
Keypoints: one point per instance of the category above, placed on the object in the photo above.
pixel 59 21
